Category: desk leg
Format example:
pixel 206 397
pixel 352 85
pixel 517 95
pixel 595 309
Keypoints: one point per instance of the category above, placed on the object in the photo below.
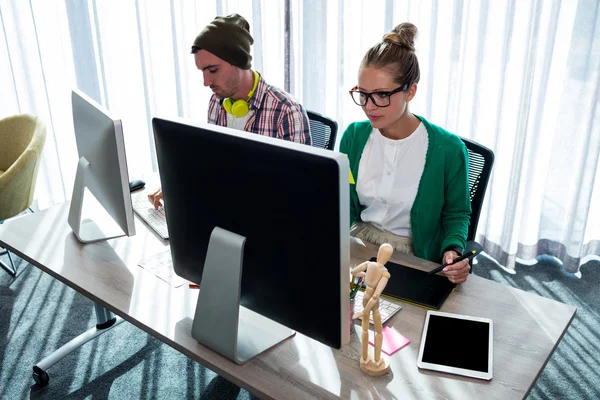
pixel 106 321
pixel 12 269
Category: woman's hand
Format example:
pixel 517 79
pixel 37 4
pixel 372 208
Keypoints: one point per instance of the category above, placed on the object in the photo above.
pixel 456 273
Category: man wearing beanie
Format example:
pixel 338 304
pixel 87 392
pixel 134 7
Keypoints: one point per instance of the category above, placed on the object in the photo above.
pixel 222 53
pixel 241 98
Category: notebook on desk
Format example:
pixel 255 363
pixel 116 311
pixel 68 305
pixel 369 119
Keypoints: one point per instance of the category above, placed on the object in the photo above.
pixel 417 287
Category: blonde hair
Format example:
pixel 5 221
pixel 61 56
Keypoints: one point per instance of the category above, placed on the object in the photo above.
pixel 396 51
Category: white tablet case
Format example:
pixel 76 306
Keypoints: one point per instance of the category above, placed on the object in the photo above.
pixel 453 370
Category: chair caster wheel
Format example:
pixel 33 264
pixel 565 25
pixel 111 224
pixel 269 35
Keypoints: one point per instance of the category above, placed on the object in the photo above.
pixel 40 377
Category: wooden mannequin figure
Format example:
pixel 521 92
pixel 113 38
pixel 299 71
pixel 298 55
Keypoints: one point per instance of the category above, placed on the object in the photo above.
pixel 376 276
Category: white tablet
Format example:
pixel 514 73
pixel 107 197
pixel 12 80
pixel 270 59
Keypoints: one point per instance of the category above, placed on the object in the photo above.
pixel 457 344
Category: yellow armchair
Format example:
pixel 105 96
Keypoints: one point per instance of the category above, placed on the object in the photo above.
pixel 22 139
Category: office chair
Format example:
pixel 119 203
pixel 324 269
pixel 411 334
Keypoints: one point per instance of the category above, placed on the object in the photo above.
pixel 323 130
pixel 481 160
pixel 22 139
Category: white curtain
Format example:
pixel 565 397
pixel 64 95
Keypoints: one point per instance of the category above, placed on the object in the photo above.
pixel 520 77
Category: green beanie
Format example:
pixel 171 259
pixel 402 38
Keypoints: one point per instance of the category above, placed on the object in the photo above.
pixel 227 38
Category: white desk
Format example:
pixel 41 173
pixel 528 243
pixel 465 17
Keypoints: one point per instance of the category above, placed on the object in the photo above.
pixel 527 328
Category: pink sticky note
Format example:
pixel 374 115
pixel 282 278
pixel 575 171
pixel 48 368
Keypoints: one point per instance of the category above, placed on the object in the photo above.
pixel 392 340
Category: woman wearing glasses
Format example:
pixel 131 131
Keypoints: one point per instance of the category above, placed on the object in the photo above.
pixel 411 188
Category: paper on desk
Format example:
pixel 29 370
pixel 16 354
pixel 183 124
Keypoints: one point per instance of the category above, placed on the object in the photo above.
pixel 392 340
pixel 161 265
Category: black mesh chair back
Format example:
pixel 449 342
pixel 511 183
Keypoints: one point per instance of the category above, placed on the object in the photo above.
pixel 323 130
pixel 481 160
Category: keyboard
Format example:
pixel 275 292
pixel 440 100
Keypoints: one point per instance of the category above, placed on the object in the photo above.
pixel 155 218
pixel 387 309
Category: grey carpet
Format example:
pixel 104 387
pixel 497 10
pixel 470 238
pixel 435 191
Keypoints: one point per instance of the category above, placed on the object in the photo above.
pixel 38 314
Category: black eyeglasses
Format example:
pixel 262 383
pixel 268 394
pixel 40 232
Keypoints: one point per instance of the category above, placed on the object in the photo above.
pixel 380 99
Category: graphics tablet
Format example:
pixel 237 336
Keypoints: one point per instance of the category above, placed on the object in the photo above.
pixel 457 344
pixel 417 287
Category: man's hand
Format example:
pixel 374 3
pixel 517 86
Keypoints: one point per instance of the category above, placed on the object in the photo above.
pixel 156 198
pixel 456 273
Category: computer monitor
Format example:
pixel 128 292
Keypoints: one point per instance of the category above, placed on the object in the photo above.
pixel 262 225
pixel 102 169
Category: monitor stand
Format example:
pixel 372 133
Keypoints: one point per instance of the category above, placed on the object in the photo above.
pixel 220 322
pixel 87 231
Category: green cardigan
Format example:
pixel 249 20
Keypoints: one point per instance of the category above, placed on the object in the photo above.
pixel 441 212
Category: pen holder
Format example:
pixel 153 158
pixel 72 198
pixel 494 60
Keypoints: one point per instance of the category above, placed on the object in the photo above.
pixel 351 314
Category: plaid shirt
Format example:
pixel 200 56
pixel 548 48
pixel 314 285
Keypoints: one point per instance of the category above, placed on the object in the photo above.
pixel 273 112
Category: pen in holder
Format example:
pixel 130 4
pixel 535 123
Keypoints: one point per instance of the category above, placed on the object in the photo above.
pixel 351 314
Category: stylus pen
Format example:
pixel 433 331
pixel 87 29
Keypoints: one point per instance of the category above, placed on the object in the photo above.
pixel 469 255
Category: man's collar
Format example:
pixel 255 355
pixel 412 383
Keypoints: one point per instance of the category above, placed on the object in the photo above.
pixel 259 94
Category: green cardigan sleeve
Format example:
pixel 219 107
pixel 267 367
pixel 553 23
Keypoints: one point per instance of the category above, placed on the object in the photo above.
pixel 347 147
pixel 456 212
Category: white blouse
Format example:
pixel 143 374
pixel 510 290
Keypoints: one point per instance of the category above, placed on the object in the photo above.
pixel 388 178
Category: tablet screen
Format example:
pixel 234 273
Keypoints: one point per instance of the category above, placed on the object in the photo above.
pixel 444 335
pixel 457 344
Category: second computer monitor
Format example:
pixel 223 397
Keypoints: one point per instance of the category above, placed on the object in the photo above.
pixel 289 202
pixel 102 169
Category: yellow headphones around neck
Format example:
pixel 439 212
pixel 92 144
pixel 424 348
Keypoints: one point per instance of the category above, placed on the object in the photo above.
pixel 240 108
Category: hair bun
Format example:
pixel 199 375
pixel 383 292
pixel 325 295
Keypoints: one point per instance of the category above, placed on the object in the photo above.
pixel 402 35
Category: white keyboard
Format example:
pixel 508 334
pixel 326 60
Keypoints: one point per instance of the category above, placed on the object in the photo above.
pixel 155 218
pixel 387 309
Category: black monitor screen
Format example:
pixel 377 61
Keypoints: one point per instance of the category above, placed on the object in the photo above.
pixel 284 201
